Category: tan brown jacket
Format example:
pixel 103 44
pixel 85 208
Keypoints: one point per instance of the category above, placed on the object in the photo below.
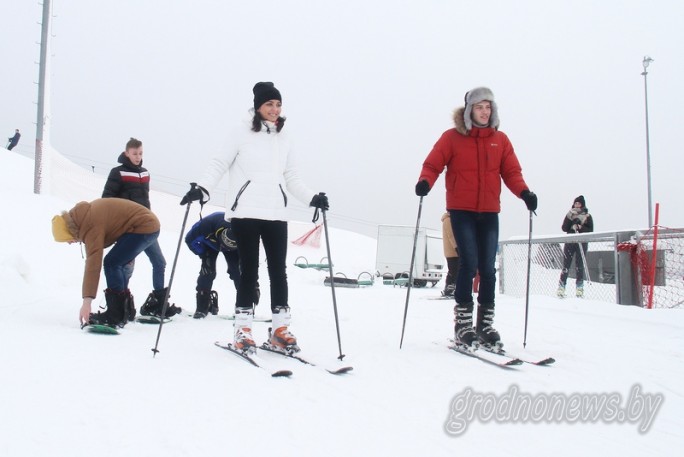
pixel 99 224
pixel 448 237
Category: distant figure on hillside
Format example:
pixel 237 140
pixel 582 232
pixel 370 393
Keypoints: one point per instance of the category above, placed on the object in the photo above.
pixel 451 254
pixel 131 181
pixel 99 224
pixel 578 220
pixel 13 141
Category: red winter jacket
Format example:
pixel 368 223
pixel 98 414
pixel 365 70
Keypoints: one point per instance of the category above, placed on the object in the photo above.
pixel 476 162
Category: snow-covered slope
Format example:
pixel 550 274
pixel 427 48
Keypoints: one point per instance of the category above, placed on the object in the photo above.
pixel 67 392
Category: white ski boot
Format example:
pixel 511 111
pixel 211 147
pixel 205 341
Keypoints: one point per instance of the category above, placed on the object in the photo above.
pixel 243 340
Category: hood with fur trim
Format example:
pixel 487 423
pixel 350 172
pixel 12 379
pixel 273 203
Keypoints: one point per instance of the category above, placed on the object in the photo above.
pixel 459 122
pixel 462 116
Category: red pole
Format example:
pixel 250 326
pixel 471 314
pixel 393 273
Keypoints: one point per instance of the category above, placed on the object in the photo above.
pixel 476 283
pixel 654 257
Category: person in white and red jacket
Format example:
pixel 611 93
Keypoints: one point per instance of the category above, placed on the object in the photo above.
pixel 131 181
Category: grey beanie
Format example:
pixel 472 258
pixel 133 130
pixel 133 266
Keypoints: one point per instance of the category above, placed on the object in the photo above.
pixel 476 96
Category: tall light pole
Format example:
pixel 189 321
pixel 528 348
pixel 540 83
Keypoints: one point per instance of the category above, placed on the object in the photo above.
pixel 646 62
pixel 40 122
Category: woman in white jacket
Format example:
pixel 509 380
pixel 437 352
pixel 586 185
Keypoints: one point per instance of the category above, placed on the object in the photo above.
pixel 261 164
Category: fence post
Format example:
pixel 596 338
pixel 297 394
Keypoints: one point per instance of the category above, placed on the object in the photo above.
pixel 625 281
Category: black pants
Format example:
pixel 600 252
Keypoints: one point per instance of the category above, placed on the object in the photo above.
pixel 273 235
pixel 207 274
pixel 571 250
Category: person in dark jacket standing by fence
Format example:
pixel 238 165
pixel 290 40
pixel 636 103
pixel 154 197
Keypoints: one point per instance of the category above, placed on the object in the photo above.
pixel 13 141
pixel 477 157
pixel 131 181
pixel 578 220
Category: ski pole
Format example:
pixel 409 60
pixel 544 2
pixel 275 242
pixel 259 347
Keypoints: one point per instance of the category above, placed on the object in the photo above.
pixel 332 277
pixel 584 259
pixel 410 280
pixel 527 291
pixel 173 271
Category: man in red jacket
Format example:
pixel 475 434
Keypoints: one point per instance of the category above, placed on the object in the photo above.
pixel 477 157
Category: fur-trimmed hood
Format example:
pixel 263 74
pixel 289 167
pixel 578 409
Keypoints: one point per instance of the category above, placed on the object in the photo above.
pixel 71 225
pixel 460 125
pixel 461 115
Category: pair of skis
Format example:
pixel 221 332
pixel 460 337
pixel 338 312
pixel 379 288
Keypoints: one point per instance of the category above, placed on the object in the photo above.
pixel 279 373
pixel 497 356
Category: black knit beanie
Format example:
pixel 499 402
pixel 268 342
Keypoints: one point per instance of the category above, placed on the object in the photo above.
pixel 263 92
pixel 580 199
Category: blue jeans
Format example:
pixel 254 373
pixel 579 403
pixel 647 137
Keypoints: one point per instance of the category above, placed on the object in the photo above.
pixel 158 262
pixel 477 236
pixel 126 248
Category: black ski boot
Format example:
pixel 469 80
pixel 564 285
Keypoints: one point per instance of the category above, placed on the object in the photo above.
pixel 464 334
pixel 450 280
pixel 203 300
pixel 129 306
pixel 155 303
pixel 213 303
pixel 487 335
pixel 114 315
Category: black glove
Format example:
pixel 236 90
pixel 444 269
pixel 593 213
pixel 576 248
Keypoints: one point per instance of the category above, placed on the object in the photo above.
pixel 320 201
pixel 530 199
pixel 195 193
pixel 577 222
pixel 422 188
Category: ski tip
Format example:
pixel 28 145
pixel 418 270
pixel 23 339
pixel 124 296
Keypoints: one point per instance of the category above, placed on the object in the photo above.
pixel 513 362
pixel 545 362
pixel 282 374
pixel 342 370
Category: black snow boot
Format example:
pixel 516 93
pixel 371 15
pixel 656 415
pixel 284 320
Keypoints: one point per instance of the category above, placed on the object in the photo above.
pixel 154 305
pixel 114 315
pixel 464 334
pixel 450 280
pixel 485 332
pixel 129 306
pixel 203 299
pixel 213 303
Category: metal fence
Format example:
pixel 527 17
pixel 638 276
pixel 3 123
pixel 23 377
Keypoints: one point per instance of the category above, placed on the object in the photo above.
pixel 546 264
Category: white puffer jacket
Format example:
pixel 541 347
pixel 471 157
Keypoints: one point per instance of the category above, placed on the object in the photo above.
pixel 260 166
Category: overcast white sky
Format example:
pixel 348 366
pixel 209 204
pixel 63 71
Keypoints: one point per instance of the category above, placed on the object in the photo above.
pixel 368 87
